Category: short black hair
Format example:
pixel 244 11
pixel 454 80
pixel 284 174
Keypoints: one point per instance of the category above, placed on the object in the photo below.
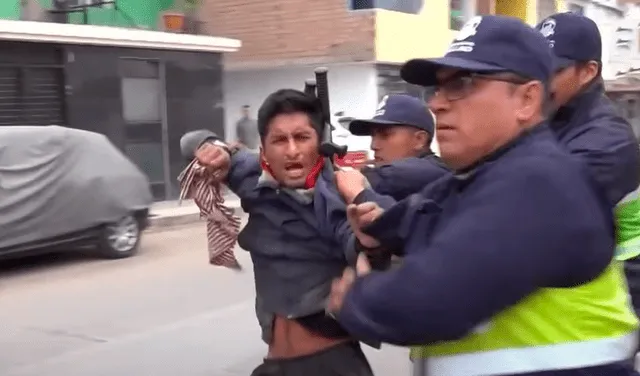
pixel 289 101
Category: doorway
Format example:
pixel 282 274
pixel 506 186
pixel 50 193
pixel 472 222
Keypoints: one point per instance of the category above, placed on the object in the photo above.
pixel 144 114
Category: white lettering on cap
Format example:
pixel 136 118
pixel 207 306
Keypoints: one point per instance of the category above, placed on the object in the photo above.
pixel 469 29
pixel 382 106
pixel 460 43
pixel 548 29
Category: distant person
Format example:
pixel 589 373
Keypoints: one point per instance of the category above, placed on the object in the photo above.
pixel 247 129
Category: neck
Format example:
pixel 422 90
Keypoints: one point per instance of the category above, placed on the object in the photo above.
pixel 534 122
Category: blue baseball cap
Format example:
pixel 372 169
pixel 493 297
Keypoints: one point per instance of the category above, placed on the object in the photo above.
pixel 572 37
pixel 394 110
pixel 488 44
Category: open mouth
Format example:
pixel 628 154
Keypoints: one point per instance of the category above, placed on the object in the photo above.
pixel 294 169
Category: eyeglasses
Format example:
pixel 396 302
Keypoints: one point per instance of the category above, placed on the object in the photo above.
pixel 461 85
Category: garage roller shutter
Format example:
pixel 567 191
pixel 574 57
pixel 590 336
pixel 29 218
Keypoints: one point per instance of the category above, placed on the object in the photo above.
pixel 31 96
pixel 10 104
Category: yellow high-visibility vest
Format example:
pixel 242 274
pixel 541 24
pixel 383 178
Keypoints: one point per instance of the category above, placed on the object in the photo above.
pixel 553 329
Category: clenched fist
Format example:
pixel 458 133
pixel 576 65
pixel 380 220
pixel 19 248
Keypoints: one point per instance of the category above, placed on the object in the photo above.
pixel 215 159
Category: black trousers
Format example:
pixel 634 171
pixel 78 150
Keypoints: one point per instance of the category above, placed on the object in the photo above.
pixel 345 359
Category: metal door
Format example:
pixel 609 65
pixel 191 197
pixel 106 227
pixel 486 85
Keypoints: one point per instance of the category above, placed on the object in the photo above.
pixel 145 134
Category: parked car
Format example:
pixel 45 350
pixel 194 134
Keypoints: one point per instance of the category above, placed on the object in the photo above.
pixel 64 189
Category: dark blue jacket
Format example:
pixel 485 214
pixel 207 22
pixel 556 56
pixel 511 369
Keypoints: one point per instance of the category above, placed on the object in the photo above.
pixel 404 177
pixel 395 181
pixel 480 241
pixel 295 256
pixel 590 128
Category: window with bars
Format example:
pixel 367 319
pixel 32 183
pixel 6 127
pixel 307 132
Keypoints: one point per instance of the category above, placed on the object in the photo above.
pixel 84 3
pixel 403 6
pixel 31 96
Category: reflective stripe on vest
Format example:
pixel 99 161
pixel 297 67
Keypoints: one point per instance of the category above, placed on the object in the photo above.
pixel 553 328
pixel 530 359
pixel 628 250
pixel 627 214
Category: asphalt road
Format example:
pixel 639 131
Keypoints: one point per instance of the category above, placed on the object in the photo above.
pixel 165 312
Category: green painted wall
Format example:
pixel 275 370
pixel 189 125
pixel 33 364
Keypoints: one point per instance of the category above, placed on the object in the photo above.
pixel 130 13
pixel 10 9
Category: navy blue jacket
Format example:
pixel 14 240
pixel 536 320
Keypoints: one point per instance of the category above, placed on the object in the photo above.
pixel 590 128
pixel 395 181
pixel 592 131
pixel 480 241
pixel 406 176
pixel 295 255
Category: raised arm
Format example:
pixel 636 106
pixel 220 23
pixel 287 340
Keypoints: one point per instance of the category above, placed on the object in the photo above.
pixel 240 168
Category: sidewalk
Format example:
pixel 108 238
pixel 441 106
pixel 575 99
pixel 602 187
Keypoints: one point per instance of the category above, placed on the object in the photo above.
pixel 171 213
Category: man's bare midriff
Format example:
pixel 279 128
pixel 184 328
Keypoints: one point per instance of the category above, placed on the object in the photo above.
pixel 290 340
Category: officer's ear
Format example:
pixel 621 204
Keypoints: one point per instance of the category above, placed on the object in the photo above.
pixel 531 99
pixel 587 71
pixel 423 140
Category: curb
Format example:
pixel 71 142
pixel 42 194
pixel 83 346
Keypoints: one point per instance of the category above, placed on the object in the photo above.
pixel 163 222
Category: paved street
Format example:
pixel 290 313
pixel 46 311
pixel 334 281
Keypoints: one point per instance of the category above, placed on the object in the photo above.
pixel 165 312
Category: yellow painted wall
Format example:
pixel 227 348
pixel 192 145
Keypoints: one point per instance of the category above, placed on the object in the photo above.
pixel 514 8
pixel 526 10
pixel 400 36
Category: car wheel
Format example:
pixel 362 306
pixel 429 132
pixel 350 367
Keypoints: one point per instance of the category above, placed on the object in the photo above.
pixel 120 239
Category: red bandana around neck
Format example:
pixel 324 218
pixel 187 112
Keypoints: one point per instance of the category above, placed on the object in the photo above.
pixel 310 180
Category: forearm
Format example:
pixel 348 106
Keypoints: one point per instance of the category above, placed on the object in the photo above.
pixel 394 225
pixel 369 195
pixel 425 300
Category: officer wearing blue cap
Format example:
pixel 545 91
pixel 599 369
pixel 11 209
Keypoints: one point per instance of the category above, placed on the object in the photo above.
pixel 587 123
pixel 508 267
pixel 401 128
pixel 401 132
pixel 584 119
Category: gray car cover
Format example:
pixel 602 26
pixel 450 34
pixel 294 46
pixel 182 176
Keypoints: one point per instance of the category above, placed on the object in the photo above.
pixel 56 180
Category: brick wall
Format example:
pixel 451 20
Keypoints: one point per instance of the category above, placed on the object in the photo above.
pixel 282 32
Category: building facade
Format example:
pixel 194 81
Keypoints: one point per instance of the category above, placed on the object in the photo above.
pixel 363 42
pixel 143 89
pixel 141 14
